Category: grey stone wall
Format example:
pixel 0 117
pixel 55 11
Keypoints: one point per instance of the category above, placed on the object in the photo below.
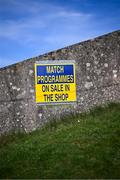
pixel 98 82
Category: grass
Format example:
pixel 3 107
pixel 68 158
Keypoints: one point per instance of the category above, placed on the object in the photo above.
pixel 81 146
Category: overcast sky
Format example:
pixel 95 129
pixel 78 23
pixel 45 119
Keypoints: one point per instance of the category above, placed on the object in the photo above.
pixel 32 27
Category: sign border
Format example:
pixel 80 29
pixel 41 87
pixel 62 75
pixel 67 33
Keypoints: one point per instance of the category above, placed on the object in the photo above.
pixel 50 62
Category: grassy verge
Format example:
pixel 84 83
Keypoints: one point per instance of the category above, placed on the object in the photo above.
pixel 85 146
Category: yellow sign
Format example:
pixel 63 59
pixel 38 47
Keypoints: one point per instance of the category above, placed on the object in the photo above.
pixel 55 82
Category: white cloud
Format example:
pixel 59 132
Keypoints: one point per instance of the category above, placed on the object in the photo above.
pixel 37 28
pixel 43 22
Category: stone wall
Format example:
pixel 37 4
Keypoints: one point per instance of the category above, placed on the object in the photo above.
pixel 98 82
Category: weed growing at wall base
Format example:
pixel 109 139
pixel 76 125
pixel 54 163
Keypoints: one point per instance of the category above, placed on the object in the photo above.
pixel 85 146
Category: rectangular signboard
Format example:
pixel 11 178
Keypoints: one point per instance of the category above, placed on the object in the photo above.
pixel 55 82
